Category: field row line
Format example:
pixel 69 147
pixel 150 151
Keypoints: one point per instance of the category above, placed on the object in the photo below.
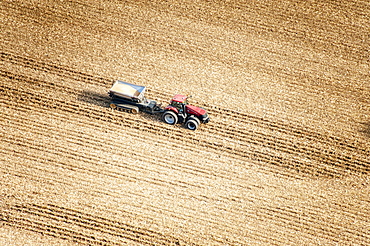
pixel 74 138
pixel 59 215
pixel 112 139
pixel 300 219
pixel 254 216
pixel 89 163
pixel 281 146
pixel 12 141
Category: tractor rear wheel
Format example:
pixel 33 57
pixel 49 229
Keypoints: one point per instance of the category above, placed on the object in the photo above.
pixel 170 117
pixel 192 124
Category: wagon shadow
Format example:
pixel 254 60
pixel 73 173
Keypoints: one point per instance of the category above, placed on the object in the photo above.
pixel 92 97
pixel 103 100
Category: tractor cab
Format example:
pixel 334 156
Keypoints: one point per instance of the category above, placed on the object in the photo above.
pixel 179 102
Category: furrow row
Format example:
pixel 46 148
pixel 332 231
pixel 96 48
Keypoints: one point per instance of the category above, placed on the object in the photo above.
pixel 346 162
pixel 251 215
pixel 64 216
pixel 157 139
pixel 90 167
pixel 229 226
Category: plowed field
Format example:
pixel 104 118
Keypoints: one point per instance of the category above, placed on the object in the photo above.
pixel 285 159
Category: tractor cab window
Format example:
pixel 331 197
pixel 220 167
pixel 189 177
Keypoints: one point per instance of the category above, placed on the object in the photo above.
pixel 177 105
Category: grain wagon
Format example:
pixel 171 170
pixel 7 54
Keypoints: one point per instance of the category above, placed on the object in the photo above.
pixel 130 97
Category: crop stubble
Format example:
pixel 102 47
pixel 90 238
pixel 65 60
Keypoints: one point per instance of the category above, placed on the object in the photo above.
pixel 74 169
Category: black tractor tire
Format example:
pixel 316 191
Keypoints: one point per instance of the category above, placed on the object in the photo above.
pixel 170 117
pixel 193 117
pixel 192 124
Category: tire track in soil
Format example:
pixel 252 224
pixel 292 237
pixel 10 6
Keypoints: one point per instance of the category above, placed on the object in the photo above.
pixel 55 221
pixel 312 154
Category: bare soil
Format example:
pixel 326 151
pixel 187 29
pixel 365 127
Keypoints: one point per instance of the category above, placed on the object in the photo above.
pixel 285 159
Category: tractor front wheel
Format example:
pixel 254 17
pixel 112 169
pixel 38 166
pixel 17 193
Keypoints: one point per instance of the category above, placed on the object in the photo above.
pixel 170 117
pixel 192 124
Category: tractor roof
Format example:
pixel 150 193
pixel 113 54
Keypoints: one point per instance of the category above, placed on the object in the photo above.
pixel 179 98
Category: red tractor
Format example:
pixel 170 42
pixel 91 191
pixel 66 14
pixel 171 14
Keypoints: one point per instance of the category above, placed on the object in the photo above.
pixel 179 111
pixel 130 97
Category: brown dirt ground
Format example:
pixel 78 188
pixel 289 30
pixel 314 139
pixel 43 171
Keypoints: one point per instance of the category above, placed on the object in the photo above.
pixel 284 161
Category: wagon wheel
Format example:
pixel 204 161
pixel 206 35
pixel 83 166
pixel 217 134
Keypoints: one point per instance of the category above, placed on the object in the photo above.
pixel 134 110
